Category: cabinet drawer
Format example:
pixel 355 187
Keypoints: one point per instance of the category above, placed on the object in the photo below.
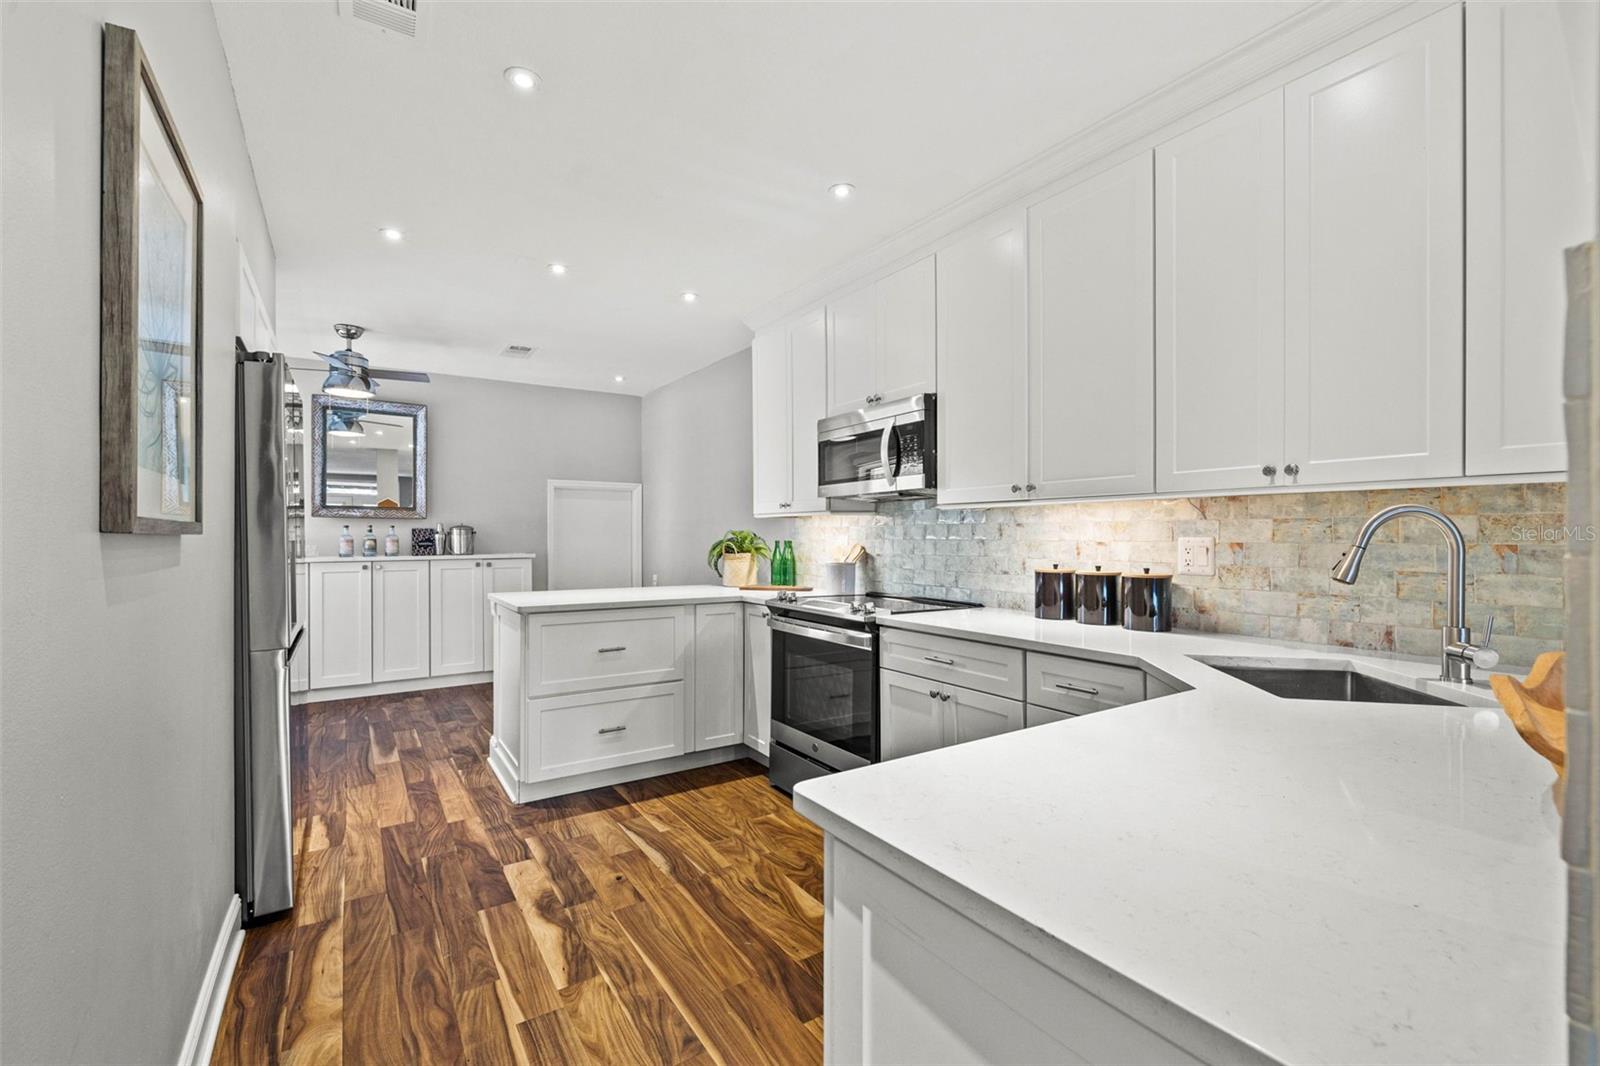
pixel 1078 686
pixel 985 667
pixel 606 649
pixel 589 731
pixel 1037 715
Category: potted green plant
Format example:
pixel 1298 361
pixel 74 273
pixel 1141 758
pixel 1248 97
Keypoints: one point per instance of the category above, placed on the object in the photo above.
pixel 734 556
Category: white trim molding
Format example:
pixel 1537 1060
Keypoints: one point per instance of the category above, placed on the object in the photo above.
pixel 390 688
pixel 204 1020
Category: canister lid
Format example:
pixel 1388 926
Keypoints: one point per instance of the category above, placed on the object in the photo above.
pixel 1146 574
pixel 1097 572
pixel 1055 568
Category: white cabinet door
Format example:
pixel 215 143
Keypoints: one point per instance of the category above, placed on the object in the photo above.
pixel 458 615
pixel 912 715
pixel 1373 264
pixel 975 715
pixel 341 624
pixel 300 665
pixel 718 675
pixel 1091 337
pixel 1530 193
pixel 906 359
pixel 501 575
pixel 399 619
pixel 983 363
pixel 808 386
pixel 1219 302
pixel 757 679
pixel 771 434
pixel 852 347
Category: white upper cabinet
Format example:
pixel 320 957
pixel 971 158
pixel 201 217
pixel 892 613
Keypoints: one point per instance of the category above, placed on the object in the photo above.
pixel 1219 302
pixel 1373 312
pixel 1530 193
pixel 789 380
pixel 399 619
pixel 881 340
pixel 983 363
pixel 1091 338
pixel 457 618
pixel 340 632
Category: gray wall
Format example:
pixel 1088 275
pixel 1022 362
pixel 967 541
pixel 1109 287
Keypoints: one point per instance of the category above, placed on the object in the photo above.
pixel 697 471
pixel 116 683
pixel 492 446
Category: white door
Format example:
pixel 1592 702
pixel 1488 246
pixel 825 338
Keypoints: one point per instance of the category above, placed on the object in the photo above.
pixel 593 538
pixel 983 363
pixel 300 665
pixel 1373 265
pixel 808 386
pixel 757 678
pixel 400 619
pixel 456 589
pixel 1091 337
pixel 718 675
pixel 912 714
pixel 906 359
pixel 501 575
pixel 341 624
pixel 1530 193
pixel 1219 302
pixel 975 715
pixel 852 350
pixel 771 410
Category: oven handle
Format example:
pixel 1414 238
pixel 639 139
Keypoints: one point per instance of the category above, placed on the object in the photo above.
pixel 848 637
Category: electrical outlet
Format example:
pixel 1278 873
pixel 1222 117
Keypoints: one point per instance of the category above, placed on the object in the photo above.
pixel 1197 555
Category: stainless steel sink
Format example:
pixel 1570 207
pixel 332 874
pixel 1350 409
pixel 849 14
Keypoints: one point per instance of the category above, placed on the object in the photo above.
pixel 1335 681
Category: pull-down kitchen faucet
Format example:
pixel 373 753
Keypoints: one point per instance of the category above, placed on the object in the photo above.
pixel 1457 654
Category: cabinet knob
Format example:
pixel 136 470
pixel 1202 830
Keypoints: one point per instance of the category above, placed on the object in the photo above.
pixel 1269 470
pixel 1292 469
pixel 1030 486
pixel 486 565
pixel 1016 488
pixel 363 566
pixel 377 566
pixel 477 565
pixel 933 693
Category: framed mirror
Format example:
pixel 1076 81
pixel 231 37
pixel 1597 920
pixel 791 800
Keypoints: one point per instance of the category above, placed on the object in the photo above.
pixel 369 459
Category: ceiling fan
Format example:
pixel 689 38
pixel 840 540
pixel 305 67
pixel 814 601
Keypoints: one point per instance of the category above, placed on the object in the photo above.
pixel 349 375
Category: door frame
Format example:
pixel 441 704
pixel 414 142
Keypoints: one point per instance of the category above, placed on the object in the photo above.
pixel 632 489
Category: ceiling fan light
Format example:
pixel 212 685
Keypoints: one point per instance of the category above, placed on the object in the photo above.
pixel 345 424
pixel 348 384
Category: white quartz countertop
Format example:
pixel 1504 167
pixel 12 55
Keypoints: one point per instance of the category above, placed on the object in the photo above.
pixel 1305 881
pixel 397 558
pixel 602 599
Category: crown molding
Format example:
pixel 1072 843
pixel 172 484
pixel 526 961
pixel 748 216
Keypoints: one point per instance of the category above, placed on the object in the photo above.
pixel 1295 38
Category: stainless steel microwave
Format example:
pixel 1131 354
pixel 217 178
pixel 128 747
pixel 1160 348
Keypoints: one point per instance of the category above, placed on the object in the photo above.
pixel 879 452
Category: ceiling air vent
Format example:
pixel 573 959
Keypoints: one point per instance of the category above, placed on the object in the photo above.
pixel 517 351
pixel 395 16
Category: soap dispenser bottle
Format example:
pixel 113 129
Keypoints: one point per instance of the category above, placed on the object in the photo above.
pixel 391 543
pixel 369 544
pixel 347 543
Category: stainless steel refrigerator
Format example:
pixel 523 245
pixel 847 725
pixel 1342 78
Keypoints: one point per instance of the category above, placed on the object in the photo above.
pixel 265 638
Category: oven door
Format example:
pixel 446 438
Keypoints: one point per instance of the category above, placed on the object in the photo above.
pixel 824 691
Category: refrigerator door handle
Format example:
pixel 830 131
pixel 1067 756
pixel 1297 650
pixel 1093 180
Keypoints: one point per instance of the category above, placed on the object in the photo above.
pixel 294 642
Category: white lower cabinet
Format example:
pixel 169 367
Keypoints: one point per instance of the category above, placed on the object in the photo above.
pixel 920 715
pixel 501 575
pixel 399 619
pixel 718 675
pixel 340 631
pixel 757 679
pixel 456 619
pixel 975 715
pixel 587 731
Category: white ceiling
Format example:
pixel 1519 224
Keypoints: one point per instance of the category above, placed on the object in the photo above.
pixel 672 146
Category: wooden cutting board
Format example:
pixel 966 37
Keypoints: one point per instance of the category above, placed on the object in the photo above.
pixel 774 588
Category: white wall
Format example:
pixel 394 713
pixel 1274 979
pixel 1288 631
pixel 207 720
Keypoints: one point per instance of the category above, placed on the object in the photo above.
pixel 116 682
pixel 492 445
pixel 697 471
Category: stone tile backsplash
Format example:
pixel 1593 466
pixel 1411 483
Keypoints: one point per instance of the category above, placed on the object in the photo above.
pixel 1274 555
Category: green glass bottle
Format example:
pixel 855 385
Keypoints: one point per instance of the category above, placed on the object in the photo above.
pixel 783 564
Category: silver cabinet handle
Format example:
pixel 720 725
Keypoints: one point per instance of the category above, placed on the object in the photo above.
pixel 1269 470
pixel 1083 689
pixel 1016 488
pixel 1030 486
pixel 377 566
pixel 945 696
pixel 933 693
pixel 940 659
pixel 613 729
pixel 619 647
pixel 1292 469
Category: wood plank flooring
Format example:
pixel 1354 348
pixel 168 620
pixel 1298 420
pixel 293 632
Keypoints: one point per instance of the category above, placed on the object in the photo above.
pixel 675 920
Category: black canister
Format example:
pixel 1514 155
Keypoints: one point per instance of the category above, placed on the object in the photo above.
pixel 1052 593
pixel 1147 601
pixel 1096 595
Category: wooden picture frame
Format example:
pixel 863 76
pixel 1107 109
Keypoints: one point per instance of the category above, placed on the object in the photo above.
pixel 151 305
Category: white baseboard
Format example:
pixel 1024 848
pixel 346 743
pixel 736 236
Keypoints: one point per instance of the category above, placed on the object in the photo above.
pixel 207 1013
pixel 389 688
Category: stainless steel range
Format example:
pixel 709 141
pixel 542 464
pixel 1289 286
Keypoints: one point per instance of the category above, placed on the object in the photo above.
pixel 825 680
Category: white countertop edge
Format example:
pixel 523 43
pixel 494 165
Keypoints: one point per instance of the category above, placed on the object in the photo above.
pixel 547 600
pixel 1194 1034
pixel 412 558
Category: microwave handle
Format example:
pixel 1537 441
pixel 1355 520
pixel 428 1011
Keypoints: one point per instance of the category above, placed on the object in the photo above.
pixel 891 468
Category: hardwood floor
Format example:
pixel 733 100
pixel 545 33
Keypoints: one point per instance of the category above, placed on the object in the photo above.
pixel 675 920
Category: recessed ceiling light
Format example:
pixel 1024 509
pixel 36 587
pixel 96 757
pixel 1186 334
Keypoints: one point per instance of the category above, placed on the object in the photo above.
pixel 842 191
pixel 558 268
pixel 522 78
pixel 690 297
pixel 391 234
pixel 617 378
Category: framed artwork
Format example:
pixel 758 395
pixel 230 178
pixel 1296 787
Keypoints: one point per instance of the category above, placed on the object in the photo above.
pixel 151 238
